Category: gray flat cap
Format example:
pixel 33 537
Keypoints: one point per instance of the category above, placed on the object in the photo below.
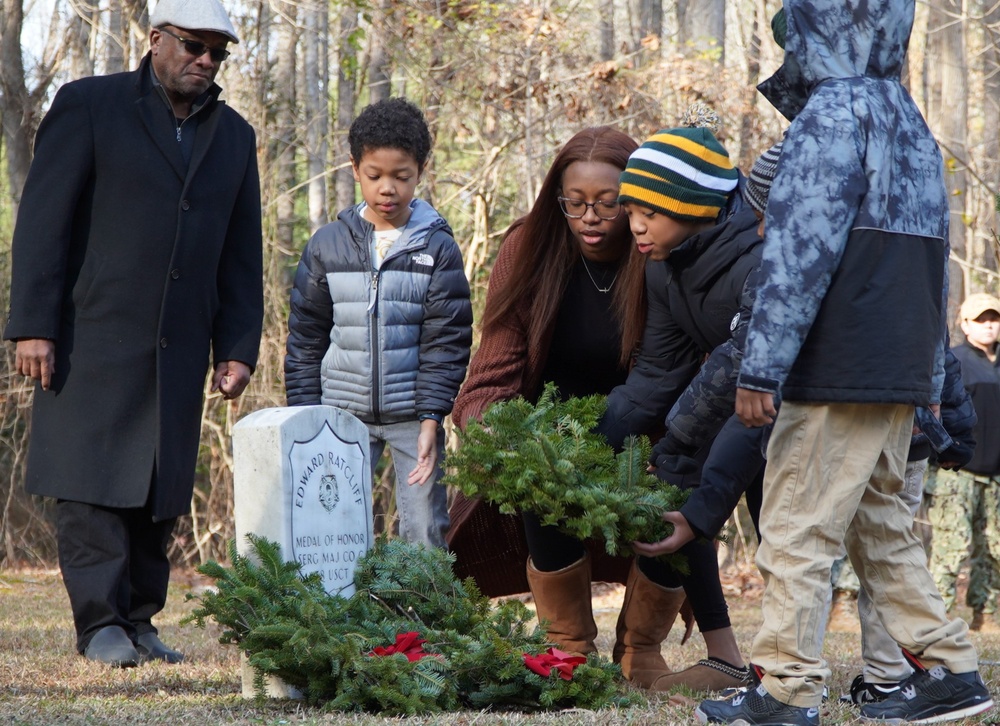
pixel 194 15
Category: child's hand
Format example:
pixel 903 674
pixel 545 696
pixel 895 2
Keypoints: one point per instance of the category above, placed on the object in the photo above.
pixel 755 408
pixel 681 535
pixel 426 453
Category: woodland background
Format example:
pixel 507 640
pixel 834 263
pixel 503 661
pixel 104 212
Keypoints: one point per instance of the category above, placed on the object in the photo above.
pixel 502 84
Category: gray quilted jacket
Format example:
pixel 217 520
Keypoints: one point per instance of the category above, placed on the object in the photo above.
pixel 386 345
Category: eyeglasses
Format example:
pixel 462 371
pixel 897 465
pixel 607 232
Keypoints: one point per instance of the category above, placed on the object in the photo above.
pixel 576 208
pixel 197 48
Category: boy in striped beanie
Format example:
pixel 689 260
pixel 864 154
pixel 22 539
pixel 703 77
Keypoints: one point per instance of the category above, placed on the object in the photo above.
pixel 758 185
pixel 679 190
pixel 678 183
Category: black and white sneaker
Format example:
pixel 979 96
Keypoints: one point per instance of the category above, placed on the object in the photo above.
pixel 932 696
pixel 756 707
pixel 863 692
pixel 753 680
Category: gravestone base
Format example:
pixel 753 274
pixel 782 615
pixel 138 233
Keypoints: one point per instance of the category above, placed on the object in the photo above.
pixel 273 687
pixel 302 479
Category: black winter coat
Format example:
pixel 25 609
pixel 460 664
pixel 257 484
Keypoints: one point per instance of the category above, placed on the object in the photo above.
pixel 139 270
pixel 982 381
pixel 697 303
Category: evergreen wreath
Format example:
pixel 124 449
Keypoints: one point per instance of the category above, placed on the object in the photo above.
pixel 546 459
pixel 411 640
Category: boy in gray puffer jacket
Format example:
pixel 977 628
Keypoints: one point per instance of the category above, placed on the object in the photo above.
pixel 380 322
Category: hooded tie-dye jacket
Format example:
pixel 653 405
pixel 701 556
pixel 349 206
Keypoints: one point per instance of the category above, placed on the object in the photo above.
pixel 851 302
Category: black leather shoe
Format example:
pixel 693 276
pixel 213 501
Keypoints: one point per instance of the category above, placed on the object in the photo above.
pixel 112 646
pixel 150 647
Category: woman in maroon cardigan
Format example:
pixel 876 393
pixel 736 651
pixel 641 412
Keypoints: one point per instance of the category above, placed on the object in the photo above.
pixel 566 304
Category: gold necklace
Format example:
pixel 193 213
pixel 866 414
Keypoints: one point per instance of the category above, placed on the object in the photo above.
pixel 596 286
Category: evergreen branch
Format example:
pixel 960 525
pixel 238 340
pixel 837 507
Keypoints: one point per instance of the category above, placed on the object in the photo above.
pixel 546 459
pixel 325 645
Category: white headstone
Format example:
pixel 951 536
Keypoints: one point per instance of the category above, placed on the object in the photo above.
pixel 302 478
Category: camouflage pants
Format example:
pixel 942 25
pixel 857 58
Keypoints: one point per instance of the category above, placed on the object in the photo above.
pixel 965 514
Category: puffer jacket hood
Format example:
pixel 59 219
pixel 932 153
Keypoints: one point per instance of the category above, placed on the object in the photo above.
pixel 424 220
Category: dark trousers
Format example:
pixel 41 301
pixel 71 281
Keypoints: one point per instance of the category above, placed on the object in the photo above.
pixel 114 565
pixel 552 550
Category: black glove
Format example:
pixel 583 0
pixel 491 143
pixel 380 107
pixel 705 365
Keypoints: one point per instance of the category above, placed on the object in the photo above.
pixel 670 445
pixel 681 471
pixel 957 455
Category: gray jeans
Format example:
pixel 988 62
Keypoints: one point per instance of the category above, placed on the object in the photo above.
pixel 423 509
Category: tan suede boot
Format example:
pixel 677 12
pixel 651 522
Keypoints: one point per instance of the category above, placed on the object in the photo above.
pixel 562 599
pixel 647 615
pixel 706 676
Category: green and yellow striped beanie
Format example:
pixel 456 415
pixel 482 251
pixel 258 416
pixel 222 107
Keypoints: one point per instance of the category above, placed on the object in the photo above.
pixel 683 172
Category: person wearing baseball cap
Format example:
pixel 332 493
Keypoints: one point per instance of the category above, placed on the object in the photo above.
pixel 965 506
pixel 136 261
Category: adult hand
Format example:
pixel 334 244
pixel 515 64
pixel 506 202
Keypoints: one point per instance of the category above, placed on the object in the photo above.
pixel 36 358
pixel 755 408
pixel 681 535
pixel 426 453
pixel 230 377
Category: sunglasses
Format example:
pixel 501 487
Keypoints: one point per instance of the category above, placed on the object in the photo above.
pixel 197 48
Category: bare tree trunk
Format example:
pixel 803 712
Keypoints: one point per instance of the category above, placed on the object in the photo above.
pixel 606 23
pixel 20 108
pixel 991 115
pixel 286 125
pixel 650 21
pixel 78 39
pixel 16 110
pixel 343 178
pixel 114 42
pixel 315 73
pixel 702 27
pixel 379 69
pixel 949 117
pixel 135 29
pixel 748 117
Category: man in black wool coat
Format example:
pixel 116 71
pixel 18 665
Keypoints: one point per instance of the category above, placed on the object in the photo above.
pixel 136 262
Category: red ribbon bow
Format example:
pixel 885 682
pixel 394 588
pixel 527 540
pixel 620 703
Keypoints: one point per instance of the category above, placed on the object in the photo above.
pixel 554 659
pixel 409 644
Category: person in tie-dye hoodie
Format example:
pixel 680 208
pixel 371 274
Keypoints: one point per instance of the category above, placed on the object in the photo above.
pixel 848 327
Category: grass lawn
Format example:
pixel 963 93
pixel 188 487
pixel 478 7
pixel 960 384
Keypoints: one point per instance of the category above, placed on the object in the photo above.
pixel 44 681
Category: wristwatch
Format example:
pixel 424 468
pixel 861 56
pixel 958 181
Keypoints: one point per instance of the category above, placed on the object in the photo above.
pixel 434 416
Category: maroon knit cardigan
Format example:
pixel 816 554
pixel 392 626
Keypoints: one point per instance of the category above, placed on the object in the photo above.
pixel 489 546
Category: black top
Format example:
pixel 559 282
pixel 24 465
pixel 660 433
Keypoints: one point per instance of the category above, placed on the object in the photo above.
pixel 982 381
pixel 586 341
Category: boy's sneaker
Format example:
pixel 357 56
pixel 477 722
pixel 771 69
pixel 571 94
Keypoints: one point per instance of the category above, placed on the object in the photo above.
pixel 863 692
pixel 930 696
pixel 756 707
